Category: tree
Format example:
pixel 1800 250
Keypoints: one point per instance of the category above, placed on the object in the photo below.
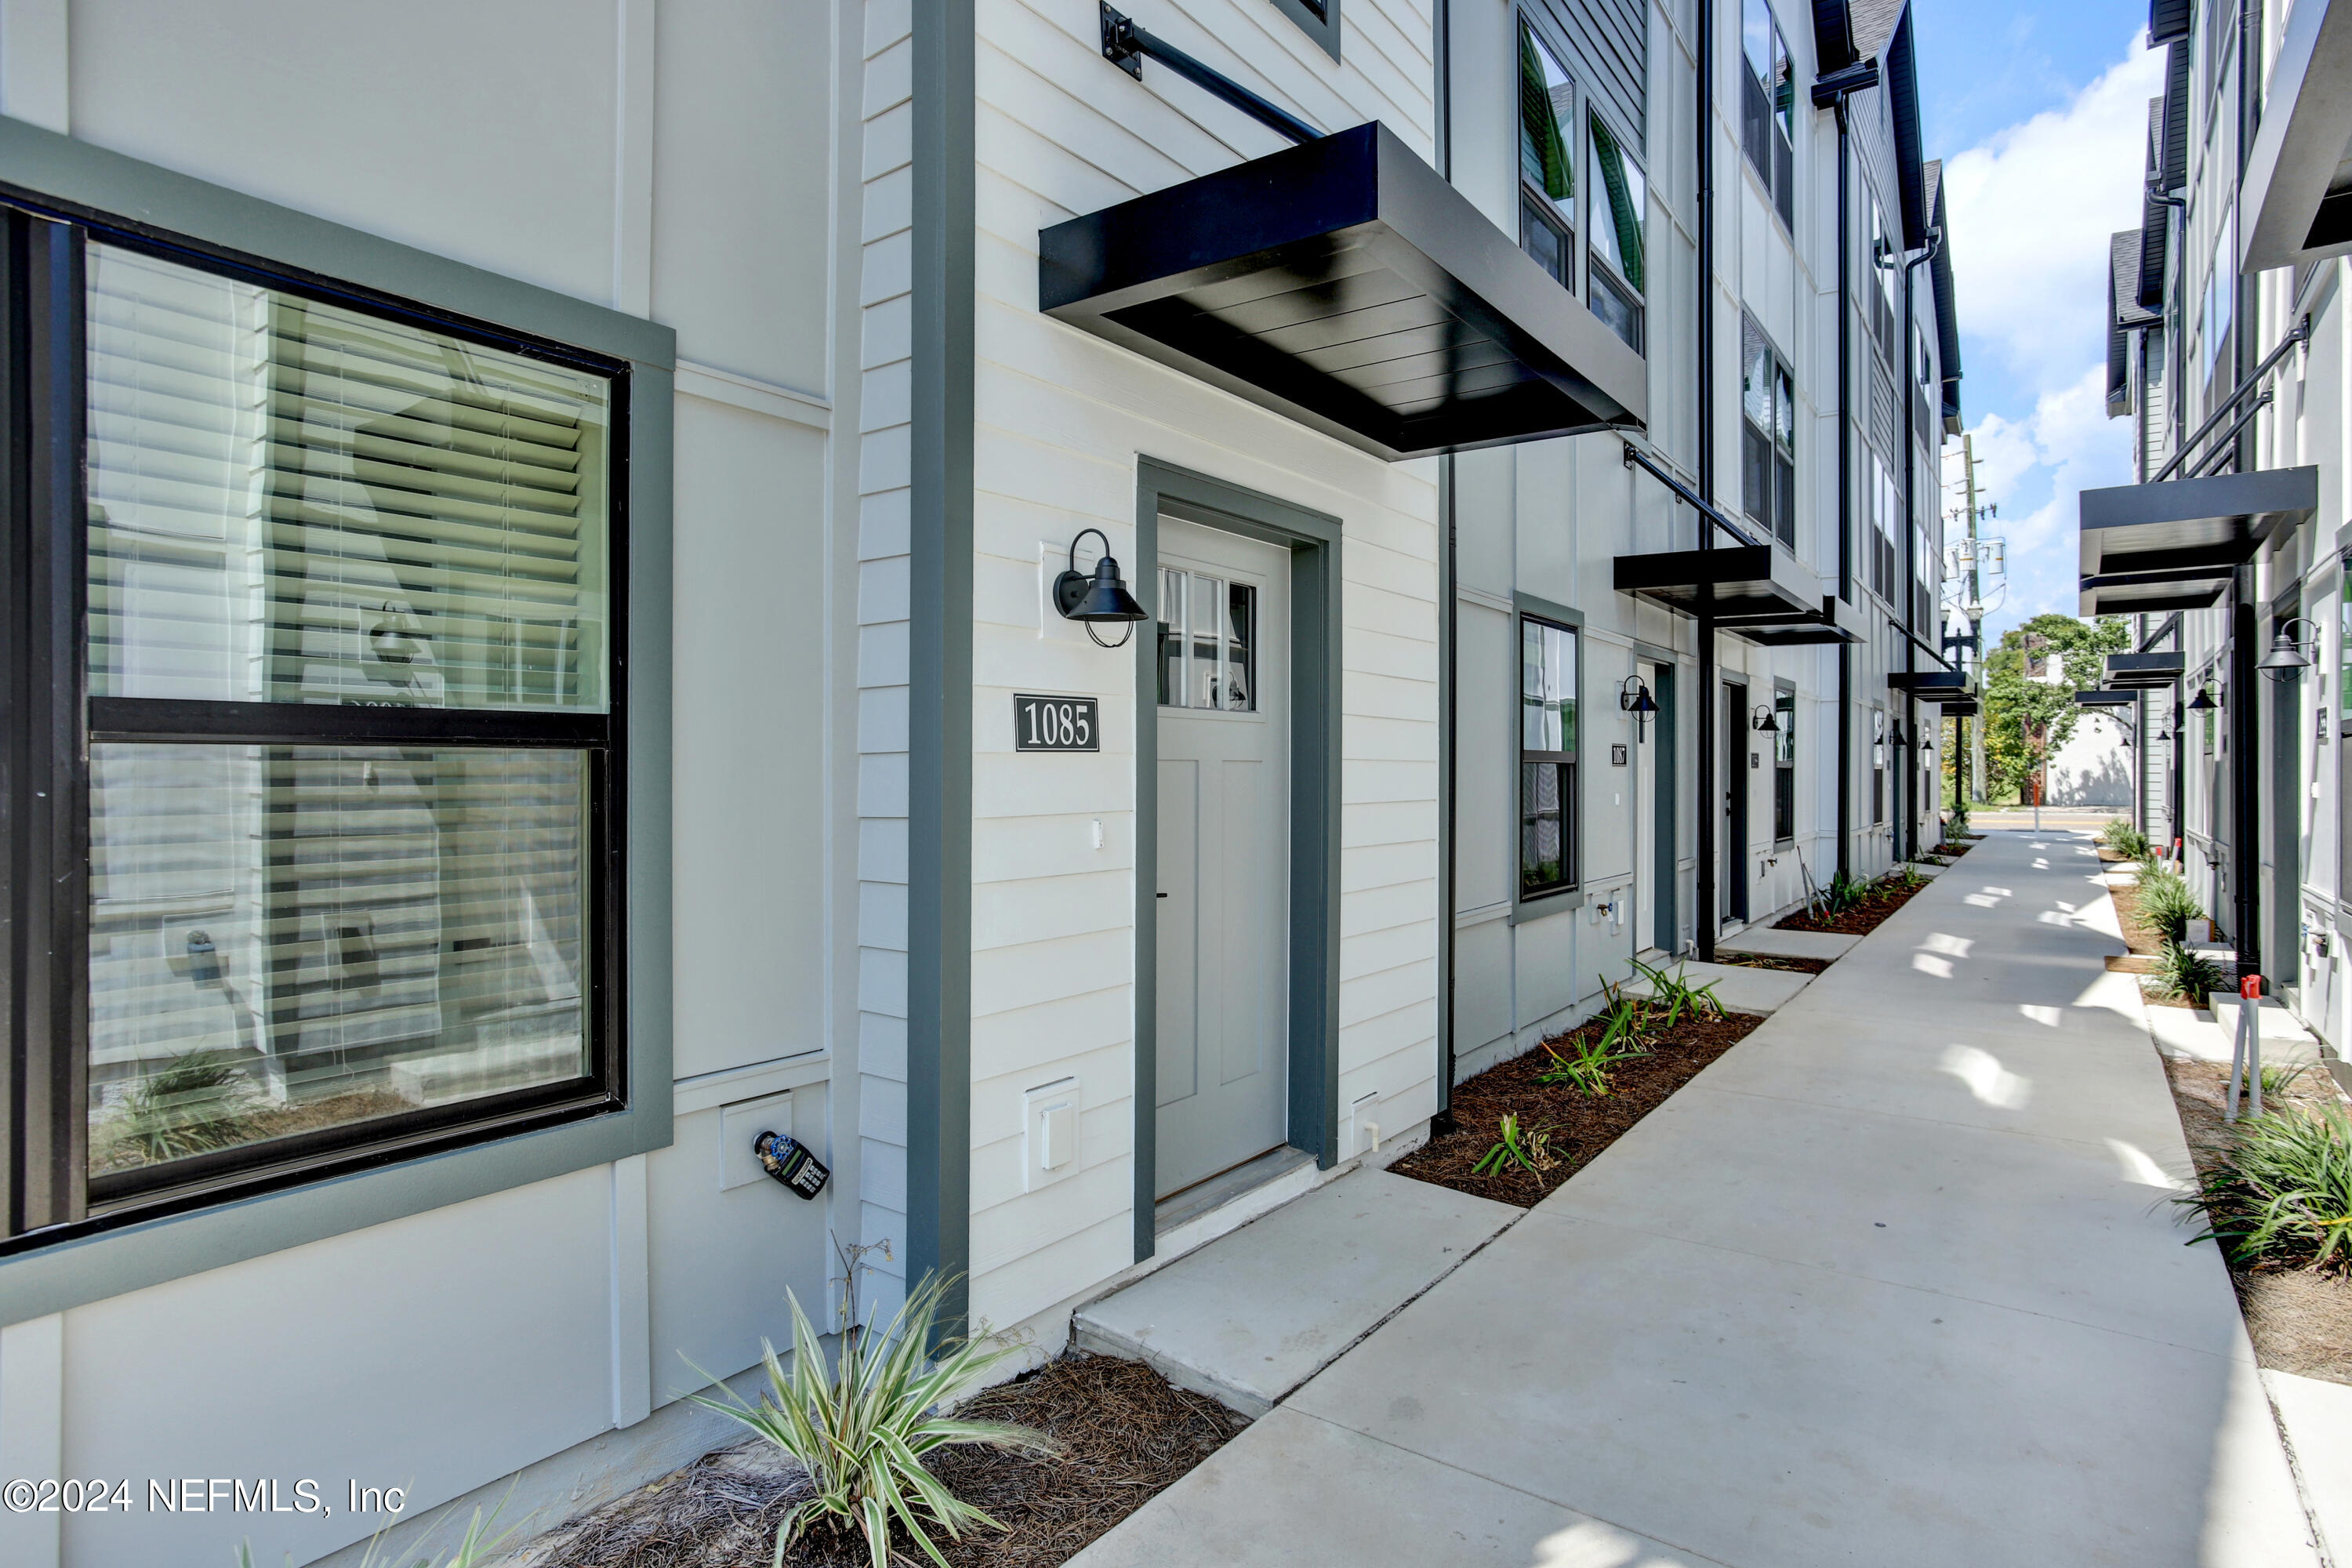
pixel 2027 715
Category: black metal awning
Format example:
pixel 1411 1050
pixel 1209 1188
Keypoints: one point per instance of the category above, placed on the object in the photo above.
pixel 1927 684
pixel 2105 699
pixel 2143 671
pixel 2127 595
pixel 1836 622
pixel 1742 585
pixel 1345 284
pixel 2172 545
pixel 1960 707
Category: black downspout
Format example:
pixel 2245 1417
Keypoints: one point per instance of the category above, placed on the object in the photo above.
pixel 1704 918
pixel 2245 765
pixel 1846 492
pixel 1442 1123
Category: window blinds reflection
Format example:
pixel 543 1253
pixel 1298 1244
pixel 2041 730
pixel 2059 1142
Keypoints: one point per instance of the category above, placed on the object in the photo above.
pixel 291 502
pixel 291 938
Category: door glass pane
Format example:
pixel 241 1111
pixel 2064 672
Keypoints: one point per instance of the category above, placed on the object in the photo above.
pixel 1202 678
pixel 1241 648
pixel 294 501
pixel 285 938
pixel 1172 638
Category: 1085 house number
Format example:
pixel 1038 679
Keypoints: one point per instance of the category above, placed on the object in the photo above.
pixel 1055 724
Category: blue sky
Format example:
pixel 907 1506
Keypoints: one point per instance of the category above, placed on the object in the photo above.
pixel 2039 112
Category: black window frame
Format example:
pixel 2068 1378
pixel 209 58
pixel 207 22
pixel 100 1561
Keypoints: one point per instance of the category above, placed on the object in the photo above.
pixel 1567 773
pixel 1601 277
pixel 1784 763
pixel 1767 116
pixel 1539 209
pixel 1768 457
pixel 47 1194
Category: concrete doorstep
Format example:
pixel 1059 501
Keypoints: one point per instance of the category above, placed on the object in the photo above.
pixel 1251 1316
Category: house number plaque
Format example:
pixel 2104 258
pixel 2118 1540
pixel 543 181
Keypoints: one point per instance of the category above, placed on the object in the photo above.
pixel 1055 724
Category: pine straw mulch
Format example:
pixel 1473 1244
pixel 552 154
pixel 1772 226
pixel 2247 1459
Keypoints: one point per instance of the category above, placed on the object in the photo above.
pixel 1773 961
pixel 2300 1322
pixel 2147 943
pixel 1126 1433
pixel 1580 1125
pixel 1951 850
pixel 1871 911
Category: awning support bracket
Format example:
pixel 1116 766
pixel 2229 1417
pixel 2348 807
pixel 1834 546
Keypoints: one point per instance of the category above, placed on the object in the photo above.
pixel 2301 333
pixel 1634 456
pixel 1124 45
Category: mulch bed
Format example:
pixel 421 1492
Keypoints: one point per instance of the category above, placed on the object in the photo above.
pixel 1580 1125
pixel 1773 961
pixel 1952 850
pixel 1867 915
pixel 2146 943
pixel 2300 1322
pixel 1128 1433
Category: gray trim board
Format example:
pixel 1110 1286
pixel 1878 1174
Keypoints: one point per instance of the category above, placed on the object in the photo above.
pixel 1313 540
pixel 939 762
pixel 81 181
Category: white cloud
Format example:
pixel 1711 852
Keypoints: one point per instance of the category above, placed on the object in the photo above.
pixel 2032 210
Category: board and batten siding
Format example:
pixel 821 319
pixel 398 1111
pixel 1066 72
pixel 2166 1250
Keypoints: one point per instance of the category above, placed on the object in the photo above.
pixel 449 1350
pixel 1063 418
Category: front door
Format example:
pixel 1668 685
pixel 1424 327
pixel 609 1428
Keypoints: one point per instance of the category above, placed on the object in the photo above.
pixel 1223 1039
pixel 1645 816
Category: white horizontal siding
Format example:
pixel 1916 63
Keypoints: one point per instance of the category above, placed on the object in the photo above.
pixel 1063 418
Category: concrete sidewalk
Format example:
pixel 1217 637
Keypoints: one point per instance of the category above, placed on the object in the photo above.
pixel 1893 1282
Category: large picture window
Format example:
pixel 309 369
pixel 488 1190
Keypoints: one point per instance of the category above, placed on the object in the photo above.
pixel 1548 749
pixel 1547 158
pixel 1768 407
pixel 335 752
pixel 1768 106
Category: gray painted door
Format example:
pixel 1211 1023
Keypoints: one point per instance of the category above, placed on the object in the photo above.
pixel 1732 882
pixel 1224 852
pixel 1645 818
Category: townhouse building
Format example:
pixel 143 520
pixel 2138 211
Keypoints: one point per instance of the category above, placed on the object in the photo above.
pixel 1081 612
pixel 2227 350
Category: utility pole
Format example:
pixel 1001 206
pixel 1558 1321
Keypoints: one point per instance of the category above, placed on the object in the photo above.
pixel 1974 748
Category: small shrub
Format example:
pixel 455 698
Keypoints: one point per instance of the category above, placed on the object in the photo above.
pixel 2278 1080
pixel 2166 903
pixel 195 1101
pixel 1530 1149
pixel 1677 997
pixel 1585 1063
pixel 2282 1191
pixel 861 1426
pixel 2185 975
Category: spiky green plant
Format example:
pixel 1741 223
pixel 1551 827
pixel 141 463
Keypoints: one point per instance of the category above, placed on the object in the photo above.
pixel 1528 1148
pixel 1676 997
pixel 861 1425
pixel 2282 1190
pixel 2183 975
pixel 2277 1079
pixel 194 1102
pixel 1586 1064
pixel 2167 904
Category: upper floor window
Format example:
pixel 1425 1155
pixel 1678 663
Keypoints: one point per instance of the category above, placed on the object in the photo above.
pixel 1884 520
pixel 1547 158
pixel 1886 262
pixel 2221 292
pixel 336 826
pixel 1767 407
pixel 1768 106
pixel 1620 204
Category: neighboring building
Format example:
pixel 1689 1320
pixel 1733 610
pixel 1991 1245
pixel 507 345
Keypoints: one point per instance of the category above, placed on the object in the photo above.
pixel 2228 348
pixel 534 653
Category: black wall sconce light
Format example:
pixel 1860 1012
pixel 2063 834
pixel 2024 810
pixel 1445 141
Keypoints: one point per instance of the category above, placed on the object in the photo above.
pixel 1102 598
pixel 2203 701
pixel 2286 655
pixel 1895 732
pixel 1634 697
pixel 1762 722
